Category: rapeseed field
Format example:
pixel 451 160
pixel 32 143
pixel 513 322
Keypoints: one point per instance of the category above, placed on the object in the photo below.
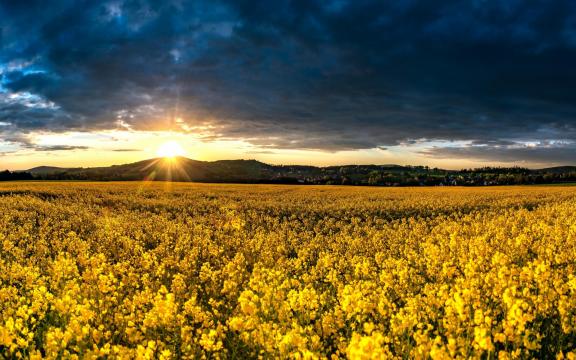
pixel 167 270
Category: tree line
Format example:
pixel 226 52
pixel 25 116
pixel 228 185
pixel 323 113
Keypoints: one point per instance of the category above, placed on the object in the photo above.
pixel 15 175
pixel 351 175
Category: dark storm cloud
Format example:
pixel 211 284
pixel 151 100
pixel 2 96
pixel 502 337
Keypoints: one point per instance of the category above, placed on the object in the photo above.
pixel 303 74
pixel 542 153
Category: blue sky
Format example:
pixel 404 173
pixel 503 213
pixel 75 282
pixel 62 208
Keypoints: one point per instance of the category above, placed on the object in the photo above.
pixel 448 83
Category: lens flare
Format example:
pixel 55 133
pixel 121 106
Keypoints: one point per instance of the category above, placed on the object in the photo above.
pixel 170 149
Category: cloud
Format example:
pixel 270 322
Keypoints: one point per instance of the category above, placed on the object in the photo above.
pixel 557 153
pixel 59 147
pixel 27 144
pixel 323 75
pixel 261 152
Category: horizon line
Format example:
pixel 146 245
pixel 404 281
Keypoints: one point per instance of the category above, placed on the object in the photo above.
pixel 295 164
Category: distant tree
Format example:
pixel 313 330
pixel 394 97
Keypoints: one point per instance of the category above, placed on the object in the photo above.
pixel 12 176
pixel 374 178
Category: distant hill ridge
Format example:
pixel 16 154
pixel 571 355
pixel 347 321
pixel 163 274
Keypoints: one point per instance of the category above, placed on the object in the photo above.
pixel 46 170
pixel 558 169
pixel 177 169
pixel 253 171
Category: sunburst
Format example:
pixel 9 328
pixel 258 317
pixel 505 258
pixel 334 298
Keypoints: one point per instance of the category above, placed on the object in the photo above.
pixel 170 150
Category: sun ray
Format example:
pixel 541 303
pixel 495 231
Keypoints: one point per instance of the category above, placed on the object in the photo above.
pixel 170 149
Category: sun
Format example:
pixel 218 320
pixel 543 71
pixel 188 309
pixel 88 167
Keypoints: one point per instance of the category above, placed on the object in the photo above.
pixel 170 149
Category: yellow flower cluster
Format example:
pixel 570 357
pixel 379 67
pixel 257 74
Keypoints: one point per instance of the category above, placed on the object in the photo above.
pixel 163 271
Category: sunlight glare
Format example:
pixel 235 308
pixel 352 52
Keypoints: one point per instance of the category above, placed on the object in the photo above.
pixel 170 149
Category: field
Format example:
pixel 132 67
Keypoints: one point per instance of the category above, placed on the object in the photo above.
pixel 166 270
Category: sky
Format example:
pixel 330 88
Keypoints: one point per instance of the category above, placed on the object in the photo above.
pixel 446 83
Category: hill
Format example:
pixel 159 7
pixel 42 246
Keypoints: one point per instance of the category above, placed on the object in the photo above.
pixel 253 171
pixel 558 170
pixel 184 169
pixel 177 169
pixel 46 170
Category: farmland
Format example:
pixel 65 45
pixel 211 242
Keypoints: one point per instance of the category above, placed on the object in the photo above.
pixel 170 270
